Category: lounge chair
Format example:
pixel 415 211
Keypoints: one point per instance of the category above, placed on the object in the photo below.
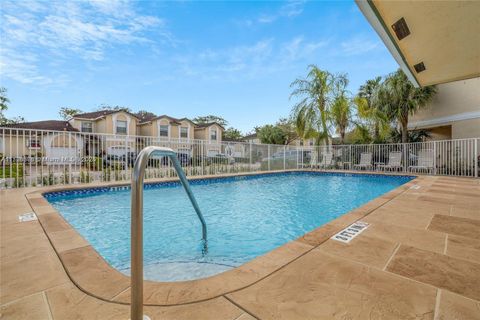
pixel 424 161
pixel 327 160
pixel 394 161
pixel 365 161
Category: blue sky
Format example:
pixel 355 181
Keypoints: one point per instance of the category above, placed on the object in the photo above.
pixel 232 59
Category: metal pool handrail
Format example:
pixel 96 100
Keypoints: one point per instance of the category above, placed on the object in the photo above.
pixel 136 266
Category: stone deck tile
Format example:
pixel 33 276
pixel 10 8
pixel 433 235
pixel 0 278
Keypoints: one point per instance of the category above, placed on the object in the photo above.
pixel 402 216
pixel 33 307
pixel 439 270
pixel 370 251
pixel 89 272
pixel 320 235
pixel 463 248
pixel 67 240
pixel 424 239
pixel 453 306
pixel 473 213
pixel 454 225
pixel 53 222
pixel 28 275
pixel 321 286
pixel 67 302
pixel 405 203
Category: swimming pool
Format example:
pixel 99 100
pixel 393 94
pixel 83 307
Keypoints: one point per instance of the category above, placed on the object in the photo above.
pixel 246 216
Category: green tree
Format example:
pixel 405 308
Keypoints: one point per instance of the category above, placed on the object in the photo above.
pixel 232 134
pixel 115 108
pixel 400 99
pixel 66 112
pixel 340 111
pixel 210 118
pixel 370 110
pixel 4 101
pixel 288 128
pixel 144 113
pixel 316 97
pixel 271 134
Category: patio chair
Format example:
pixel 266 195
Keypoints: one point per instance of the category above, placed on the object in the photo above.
pixel 313 160
pixel 327 160
pixel 365 161
pixel 394 161
pixel 424 161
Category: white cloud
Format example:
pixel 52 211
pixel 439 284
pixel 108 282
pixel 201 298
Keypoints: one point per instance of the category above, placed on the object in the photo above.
pixel 358 45
pixel 298 48
pixel 34 31
pixel 247 61
pixel 290 9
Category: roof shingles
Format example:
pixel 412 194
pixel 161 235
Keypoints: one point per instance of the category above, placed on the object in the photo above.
pixel 57 125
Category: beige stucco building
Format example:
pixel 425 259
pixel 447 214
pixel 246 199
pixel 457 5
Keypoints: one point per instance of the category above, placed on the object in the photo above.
pixel 111 132
pixel 454 112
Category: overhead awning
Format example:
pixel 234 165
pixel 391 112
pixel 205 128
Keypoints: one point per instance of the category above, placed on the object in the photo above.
pixel 432 41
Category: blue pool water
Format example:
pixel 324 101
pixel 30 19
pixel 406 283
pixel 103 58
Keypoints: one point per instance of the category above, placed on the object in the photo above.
pixel 246 217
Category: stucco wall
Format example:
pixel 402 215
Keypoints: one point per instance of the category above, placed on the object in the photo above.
pixel 123 116
pixel 466 129
pixel 456 101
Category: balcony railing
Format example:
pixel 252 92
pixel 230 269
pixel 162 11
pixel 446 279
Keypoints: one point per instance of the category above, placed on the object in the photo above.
pixel 62 158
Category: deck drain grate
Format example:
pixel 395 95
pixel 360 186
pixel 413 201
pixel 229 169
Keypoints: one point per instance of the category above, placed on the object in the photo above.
pixel 350 232
pixel 415 187
pixel 29 216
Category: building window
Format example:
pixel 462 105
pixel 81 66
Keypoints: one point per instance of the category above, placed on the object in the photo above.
pixel 121 127
pixel 87 126
pixel 33 143
pixel 163 130
pixel 213 134
pixel 184 132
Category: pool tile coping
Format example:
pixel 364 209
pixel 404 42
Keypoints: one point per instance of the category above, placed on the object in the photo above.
pixel 94 276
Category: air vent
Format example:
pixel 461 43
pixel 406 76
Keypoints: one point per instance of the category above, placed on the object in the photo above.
pixel 401 29
pixel 419 67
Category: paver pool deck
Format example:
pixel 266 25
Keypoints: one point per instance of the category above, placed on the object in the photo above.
pixel 418 259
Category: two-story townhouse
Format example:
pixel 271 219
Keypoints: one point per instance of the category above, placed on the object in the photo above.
pixel 179 133
pixel 51 140
pixel 118 129
pixel 211 133
pixel 113 132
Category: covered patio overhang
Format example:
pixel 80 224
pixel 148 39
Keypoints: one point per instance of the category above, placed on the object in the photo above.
pixel 433 41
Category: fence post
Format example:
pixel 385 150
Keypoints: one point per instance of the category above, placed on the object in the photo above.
pixel 476 157
pixel 127 147
pixel 284 156
pixel 268 156
pixel 434 158
pixel 351 160
pixel 202 158
pixel 250 156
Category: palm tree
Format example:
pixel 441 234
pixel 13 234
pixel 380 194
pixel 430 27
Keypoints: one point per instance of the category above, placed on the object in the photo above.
pixel 370 110
pixel 340 111
pixel 302 127
pixel 311 112
pixel 400 99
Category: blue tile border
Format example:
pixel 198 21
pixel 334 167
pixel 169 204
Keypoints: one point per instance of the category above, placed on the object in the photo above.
pixel 53 195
